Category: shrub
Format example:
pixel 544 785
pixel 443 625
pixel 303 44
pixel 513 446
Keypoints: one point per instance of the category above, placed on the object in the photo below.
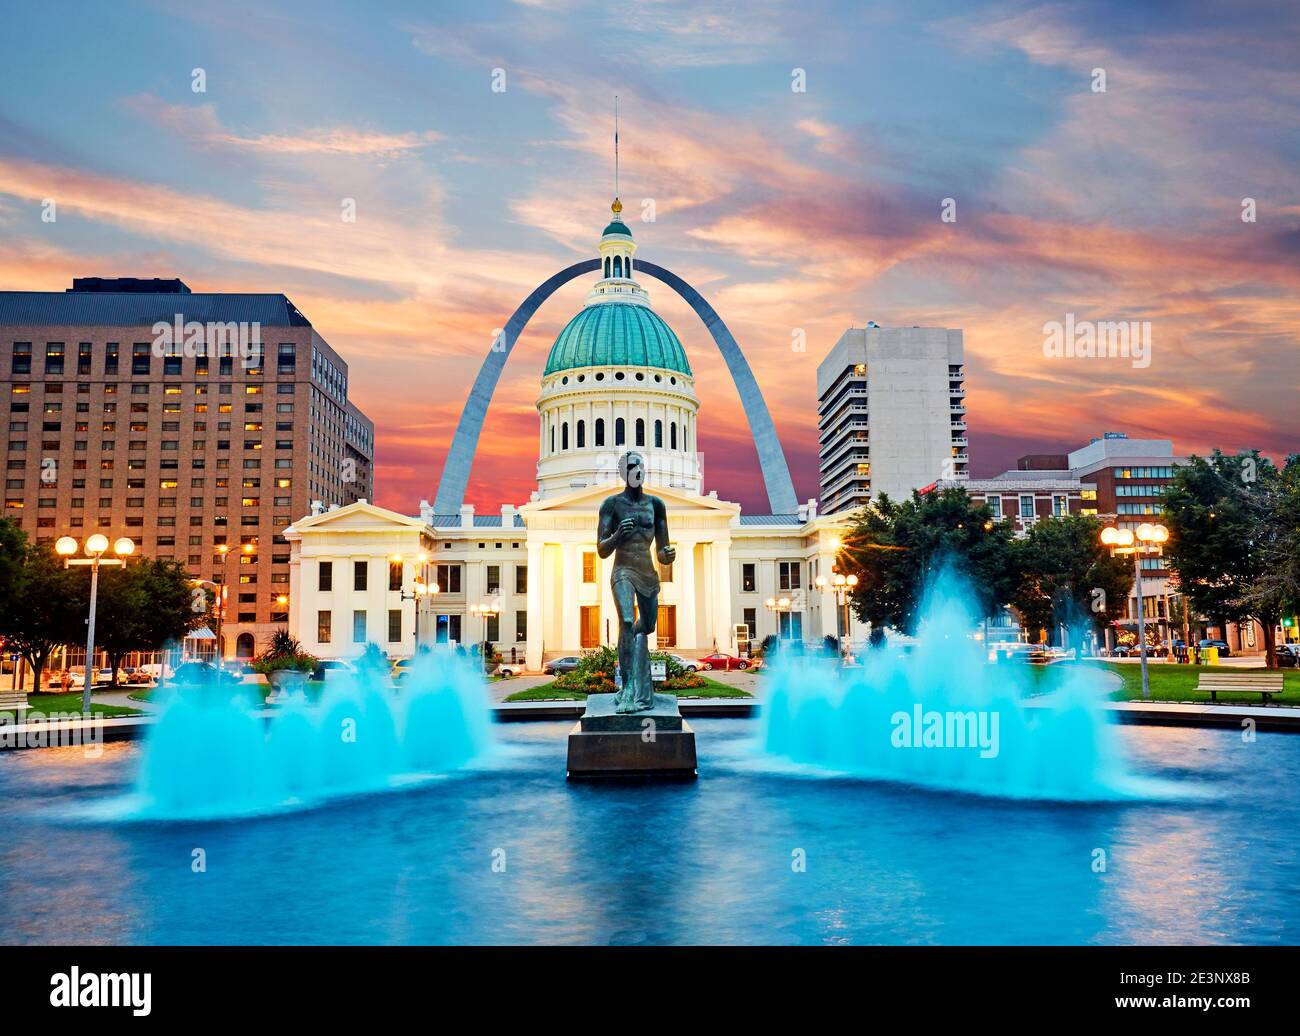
pixel 284 652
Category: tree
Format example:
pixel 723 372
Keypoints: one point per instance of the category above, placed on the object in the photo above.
pixel 1280 538
pixel 142 607
pixel 1222 539
pixel 1060 565
pixel 45 604
pixel 897 549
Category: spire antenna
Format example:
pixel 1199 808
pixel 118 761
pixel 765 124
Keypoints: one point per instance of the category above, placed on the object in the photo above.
pixel 616 145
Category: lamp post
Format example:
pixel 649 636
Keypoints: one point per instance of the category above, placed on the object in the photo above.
pixel 842 586
pixel 95 546
pixel 777 605
pixel 487 611
pixel 423 587
pixel 1145 540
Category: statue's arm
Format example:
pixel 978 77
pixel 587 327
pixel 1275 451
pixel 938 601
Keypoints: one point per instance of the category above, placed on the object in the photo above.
pixel 607 532
pixel 664 550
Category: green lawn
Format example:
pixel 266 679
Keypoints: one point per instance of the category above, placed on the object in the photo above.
pixel 1177 682
pixel 69 702
pixel 548 692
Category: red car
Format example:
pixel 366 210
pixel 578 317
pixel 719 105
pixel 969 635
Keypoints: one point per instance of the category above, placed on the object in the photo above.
pixel 718 660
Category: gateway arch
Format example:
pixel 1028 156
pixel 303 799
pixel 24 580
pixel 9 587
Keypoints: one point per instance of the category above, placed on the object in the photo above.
pixel 771 458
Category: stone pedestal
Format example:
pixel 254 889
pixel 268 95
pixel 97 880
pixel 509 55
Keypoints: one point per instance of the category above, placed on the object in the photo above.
pixel 656 742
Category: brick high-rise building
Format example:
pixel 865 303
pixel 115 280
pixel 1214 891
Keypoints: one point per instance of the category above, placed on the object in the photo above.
pixel 188 439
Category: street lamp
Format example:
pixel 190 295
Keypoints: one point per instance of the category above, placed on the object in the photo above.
pixel 842 586
pixel 777 605
pixel 487 611
pixel 422 587
pixel 1145 540
pixel 95 547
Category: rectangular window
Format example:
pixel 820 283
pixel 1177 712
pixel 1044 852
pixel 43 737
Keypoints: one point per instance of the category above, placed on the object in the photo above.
pixel 588 566
pixel 995 506
pixel 1026 507
pixel 53 357
pixel 521 579
pixel 22 358
pixel 323 623
pixel 141 352
pixel 395 575
pixel 748 578
pixel 751 620
pixel 493 628
pixel 493 580
pixel 326 576
pixel 360 575
pixel 394 625
pixel 788 575
pixel 359 626
pixel 1060 506
pixel 449 579
pixel 521 627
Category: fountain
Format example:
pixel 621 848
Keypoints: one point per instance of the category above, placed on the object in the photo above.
pixel 216 752
pixel 938 714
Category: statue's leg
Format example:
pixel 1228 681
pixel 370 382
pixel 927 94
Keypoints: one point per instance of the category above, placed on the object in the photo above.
pixel 624 604
pixel 648 606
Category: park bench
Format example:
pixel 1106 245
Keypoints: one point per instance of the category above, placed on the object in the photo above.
pixel 1264 683
pixel 13 701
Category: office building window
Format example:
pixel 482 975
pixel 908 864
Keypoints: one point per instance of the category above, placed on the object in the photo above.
pixel 323 624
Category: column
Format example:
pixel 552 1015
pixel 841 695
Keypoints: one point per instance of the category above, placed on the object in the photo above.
pixel 571 578
pixel 533 646
pixel 684 573
pixel 722 594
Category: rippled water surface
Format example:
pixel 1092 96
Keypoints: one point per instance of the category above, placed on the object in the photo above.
pixel 1211 858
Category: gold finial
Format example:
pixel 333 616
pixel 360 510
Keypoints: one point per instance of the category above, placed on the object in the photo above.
pixel 617 207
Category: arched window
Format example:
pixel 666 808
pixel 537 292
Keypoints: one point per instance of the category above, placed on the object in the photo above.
pixel 659 435
pixel 640 431
pixel 607 265
pixel 564 436
pixel 244 646
pixel 627 267
pixel 672 435
pixel 582 434
pixel 620 432
pixel 552 438
pixel 618 266
pixel 600 431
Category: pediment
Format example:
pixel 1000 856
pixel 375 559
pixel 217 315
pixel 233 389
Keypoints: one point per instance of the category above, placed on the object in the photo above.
pixel 358 517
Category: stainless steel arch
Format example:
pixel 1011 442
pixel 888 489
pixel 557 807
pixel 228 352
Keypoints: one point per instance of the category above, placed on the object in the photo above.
pixel 455 473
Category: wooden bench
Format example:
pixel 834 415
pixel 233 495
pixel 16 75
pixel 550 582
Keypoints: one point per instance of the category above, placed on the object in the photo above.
pixel 1264 683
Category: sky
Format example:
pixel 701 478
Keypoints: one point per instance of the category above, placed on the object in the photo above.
pixel 796 158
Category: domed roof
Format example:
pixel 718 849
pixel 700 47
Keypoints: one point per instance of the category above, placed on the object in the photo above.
pixel 616 227
pixel 615 334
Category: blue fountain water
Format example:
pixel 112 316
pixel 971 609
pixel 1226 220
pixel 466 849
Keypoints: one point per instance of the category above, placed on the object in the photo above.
pixel 863 721
pixel 216 753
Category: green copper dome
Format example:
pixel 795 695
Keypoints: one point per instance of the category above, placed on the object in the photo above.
pixel 616 227
pixel 617 334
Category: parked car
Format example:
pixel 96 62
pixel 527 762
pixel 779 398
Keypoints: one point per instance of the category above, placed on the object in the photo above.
pixel 507 669
pixel 154 670
pixel 685 663
pixel 333 669
pixel 719 660
pixel 557 666
pixel 401 668
pixel 1288 656
pixel 1223 647
pixel 195 672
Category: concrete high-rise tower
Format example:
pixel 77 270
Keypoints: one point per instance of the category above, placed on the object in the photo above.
pixel 891 413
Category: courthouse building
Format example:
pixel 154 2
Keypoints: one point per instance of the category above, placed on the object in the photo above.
pixel 528 578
